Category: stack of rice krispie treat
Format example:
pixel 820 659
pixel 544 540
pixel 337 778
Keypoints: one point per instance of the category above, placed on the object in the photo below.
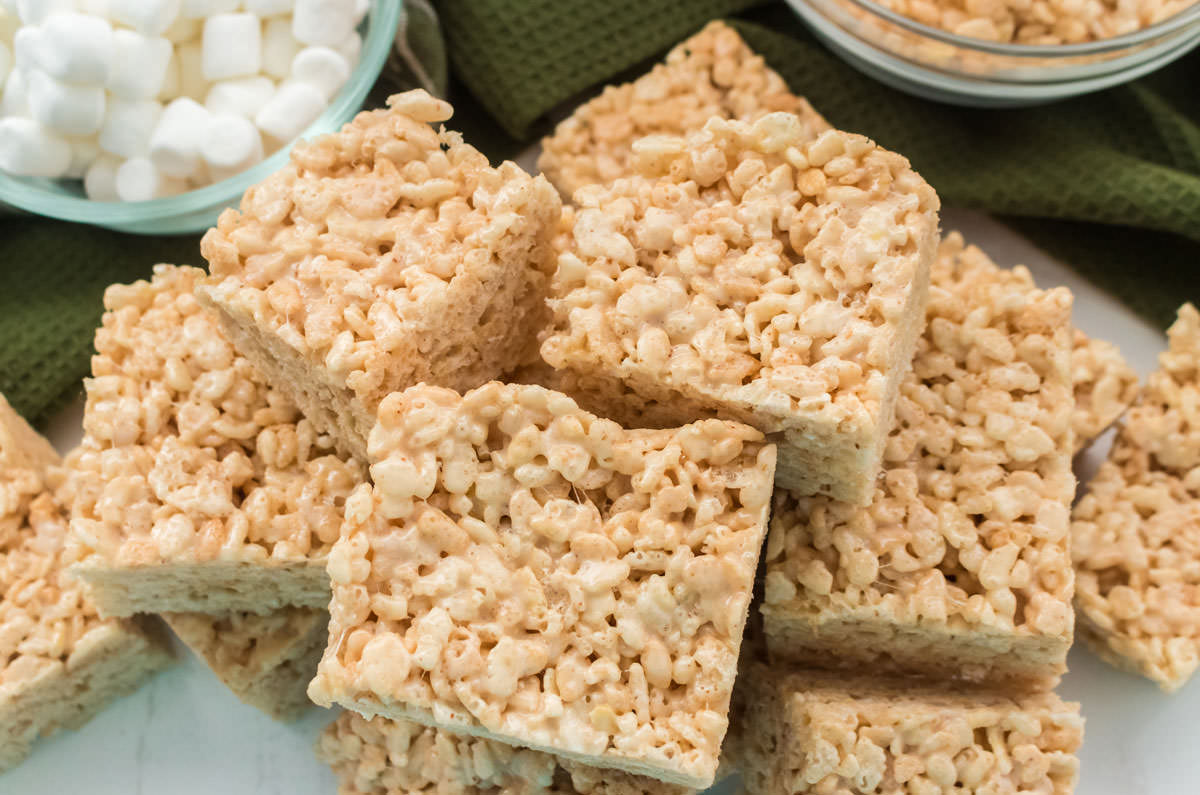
pixel 60 662
pixel 1136 533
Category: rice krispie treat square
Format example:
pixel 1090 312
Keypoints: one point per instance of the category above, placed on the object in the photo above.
pixel 527 572
pixel 959 566
pixel 60 663
pixel 1135 536
pixel 383 256
pixel 1105 385
pixel 714 73
pixel 825 733
pixel 753 273
pixel 197 488
pixel 380 756
pixel 267 661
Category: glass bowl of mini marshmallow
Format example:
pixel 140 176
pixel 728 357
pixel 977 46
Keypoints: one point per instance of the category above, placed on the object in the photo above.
pixel 182 133
pixel 1004 53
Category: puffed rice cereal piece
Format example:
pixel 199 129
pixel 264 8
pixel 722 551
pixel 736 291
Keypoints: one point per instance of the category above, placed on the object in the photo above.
pixel 959 567
pixel 1105 385
pixel 380 756
pixel 714 73
pixel 527 572
pixel 828 734
pixel 752 273
pixel 382 256
pixel 197 488
pixel 1135 536
pixel 1043 22
pixel 60 663
pixel 267 661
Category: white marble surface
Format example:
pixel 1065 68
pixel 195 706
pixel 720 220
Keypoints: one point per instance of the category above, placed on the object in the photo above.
pixel 185 734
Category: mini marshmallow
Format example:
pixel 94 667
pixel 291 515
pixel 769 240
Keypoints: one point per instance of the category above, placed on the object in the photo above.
pixel 97 8
pixel 29 149
pixel 170 81
pixel 129 125
pixel 34 12
pixel 67 108
pixel 5 61
pixel 138 181
pixel 175 142
pixel 75 48
pixel 25 46
pixel 326 22
pixel 183 29
pixel 322 68
pixel 242 96
pixel 231 145
pixel 232 46
pixel 351 48
pixel 151 17
pixel 139 66
pixel 191 73
pixel 84 152
pixel 200 9
pixel 279 47
pixel 14 100
pixel 269 8
pixel 100 180
pixel 9 24
pixel 294 106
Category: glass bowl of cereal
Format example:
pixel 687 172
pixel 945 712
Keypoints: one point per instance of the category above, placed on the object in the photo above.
pixel 197 206
pixel 1004 53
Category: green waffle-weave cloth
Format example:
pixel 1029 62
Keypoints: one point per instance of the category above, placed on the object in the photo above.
pixel 1109 183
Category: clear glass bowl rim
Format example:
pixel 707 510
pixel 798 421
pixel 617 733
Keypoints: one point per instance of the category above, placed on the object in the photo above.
pixel 1172 24
pixel 380 35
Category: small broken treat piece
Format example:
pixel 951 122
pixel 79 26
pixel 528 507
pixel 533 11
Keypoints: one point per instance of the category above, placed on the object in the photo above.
pixel 1166 420
pixel 267 661
pixel 1105 385
pixel 852 735
pixel 380 756
pixel 527 572
pixel 1135 535
pixel 714 73
pixel 60 663
pixel 382 256
pixel 752 273
pixel 197 488
pixel 959 567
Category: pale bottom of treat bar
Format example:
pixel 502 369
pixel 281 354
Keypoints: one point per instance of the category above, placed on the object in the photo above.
pixel 380 756
pixel 267 661
pixel 213 587
pixel 111 661
pixel 853 639
pixel 852 735
pixel 463 725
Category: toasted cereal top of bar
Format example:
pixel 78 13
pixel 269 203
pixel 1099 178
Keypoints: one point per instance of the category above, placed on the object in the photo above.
pixel 1135 535
pixel 558 578
pixel 1105 385
pixel 861 736
pixel 711 74
pixel 45 616
pixel 360 238
pixel 379 756
pixel 1135 543
pixel 1166 420
pixel 188 455
pixel 970 520
pixel 748 263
